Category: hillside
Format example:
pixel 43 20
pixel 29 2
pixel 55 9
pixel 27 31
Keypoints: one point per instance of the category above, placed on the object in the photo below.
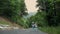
pixel 4 22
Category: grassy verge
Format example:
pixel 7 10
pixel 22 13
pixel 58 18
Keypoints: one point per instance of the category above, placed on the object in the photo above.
pixel 4 22
pixel 51 30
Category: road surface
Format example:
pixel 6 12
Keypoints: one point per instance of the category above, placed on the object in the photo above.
pixel 23 31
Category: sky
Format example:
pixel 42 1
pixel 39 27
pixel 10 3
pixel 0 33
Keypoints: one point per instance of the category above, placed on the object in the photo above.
pixel 31 5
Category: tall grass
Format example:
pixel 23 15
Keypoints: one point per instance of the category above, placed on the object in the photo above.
pixel 51 30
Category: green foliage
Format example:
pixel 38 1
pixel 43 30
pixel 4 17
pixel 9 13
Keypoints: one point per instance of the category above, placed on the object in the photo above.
pixel 39 18
pixel 23 22
pixel 4 7
pixel 51 9
pixel 13 10
pixel 51 30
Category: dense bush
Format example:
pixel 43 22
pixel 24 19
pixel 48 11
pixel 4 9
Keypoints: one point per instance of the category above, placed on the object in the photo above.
pixel 39 18
pixel 51 9
pixel 13 10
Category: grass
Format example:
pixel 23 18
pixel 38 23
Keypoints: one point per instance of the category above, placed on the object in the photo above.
pixel 3 21
pixel 51 30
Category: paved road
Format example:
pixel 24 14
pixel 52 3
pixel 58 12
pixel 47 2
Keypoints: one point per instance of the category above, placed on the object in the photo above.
pixel 18 31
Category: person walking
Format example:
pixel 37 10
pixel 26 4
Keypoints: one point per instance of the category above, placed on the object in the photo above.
pixel 34 25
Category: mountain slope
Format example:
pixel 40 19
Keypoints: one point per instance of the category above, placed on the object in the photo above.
pixel 5 21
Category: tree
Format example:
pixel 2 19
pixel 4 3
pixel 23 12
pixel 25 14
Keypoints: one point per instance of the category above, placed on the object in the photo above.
pixel 49 6
pixel 13 10
pixel 4 7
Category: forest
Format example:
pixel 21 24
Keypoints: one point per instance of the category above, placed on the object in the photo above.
pixel 47 16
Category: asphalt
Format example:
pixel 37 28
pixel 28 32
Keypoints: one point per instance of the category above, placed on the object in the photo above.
pixel 22 31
